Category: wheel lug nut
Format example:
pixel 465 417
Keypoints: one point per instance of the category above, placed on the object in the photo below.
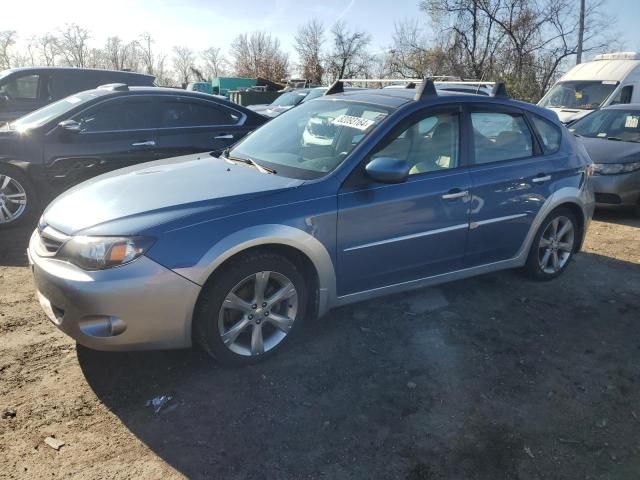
pixel 254 306
pixel 264 304
pixel 266 314
pixel 250 317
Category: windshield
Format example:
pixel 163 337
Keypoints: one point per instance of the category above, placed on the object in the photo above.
pixel 40 117
pixel 289 99
pixel 312 139
pixel 610 125
pixel 583 94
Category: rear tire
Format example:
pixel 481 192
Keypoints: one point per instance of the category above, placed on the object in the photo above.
pixel 250 308
pixel 553 246
pixel 18 199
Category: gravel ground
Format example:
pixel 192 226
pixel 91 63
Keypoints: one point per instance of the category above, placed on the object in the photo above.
pixel 495 377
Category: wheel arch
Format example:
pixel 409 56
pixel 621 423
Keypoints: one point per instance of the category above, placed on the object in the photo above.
pixel 298 245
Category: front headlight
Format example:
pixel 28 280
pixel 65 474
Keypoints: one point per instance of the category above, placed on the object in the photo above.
pixel 98 253
pixel 615 168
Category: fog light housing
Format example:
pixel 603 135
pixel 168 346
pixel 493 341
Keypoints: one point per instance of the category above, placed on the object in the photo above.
pixel 102 326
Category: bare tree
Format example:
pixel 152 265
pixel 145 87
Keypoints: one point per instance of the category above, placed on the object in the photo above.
pixel 308 45
pixel 348 57
pixel 73 45
pixel 183 62
pixel 214 62
pixel 259 55
pixel 47 46
pixel 145 52
pixel 120 55
pixel 7 40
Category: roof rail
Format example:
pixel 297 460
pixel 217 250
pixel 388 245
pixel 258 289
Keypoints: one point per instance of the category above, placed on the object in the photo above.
pixel 115 87
pixel 499 90
pixel 336 87
pixel 426 90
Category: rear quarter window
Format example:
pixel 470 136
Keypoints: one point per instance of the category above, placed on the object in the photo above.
pixel 550 134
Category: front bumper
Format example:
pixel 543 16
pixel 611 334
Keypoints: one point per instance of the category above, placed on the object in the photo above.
pixel 617 190
pixel 138 306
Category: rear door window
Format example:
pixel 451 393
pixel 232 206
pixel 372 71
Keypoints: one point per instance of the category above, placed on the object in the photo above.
pixel 500 136
pixel 179 113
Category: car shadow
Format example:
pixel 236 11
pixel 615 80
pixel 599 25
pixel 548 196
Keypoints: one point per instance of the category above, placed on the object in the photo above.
pixel 391 387
pixel 13 245
pixel 619 217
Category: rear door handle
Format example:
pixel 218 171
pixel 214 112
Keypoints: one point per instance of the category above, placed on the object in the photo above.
pixel 541 178
pixel 148 143
pixel 226 136
pixel 455 193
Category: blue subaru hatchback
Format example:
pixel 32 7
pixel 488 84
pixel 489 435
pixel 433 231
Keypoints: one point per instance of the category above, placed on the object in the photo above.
pixel 345 198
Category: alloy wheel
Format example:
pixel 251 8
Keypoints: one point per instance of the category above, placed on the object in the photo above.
pixel 258 313
pixel 13 199
pixel 556 245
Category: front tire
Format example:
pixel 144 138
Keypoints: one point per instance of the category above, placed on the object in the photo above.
pixel 553 246
pixel 18 199
pixel 250 308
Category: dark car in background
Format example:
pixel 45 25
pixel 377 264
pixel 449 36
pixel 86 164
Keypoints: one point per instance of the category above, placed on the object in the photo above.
pixel 612 138
pixel 23 90
pixel 99 130
pixel 284 102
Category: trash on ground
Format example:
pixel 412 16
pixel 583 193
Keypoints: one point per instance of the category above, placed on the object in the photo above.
pixel 9 413
pixel 54 443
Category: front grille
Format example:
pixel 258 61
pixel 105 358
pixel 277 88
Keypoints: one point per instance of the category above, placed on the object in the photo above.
pixel 50 241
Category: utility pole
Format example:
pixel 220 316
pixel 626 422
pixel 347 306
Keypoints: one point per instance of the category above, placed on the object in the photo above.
pixel 580 33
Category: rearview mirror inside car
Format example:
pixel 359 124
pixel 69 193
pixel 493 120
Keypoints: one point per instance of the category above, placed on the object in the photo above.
pixel 388 170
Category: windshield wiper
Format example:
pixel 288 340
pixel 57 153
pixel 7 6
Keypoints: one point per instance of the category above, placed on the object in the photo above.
pixel 248 161
pixel 617 139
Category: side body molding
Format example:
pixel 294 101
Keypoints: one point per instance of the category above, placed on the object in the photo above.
pixel 264 235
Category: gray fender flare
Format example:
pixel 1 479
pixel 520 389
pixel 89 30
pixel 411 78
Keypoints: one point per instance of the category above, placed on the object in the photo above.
pixel 263 235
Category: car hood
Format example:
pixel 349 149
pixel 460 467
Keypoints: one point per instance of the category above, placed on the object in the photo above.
pixel 602 150
pixel 568 115
pixel 132 199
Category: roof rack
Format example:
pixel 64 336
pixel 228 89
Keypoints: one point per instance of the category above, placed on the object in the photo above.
pixel 426 90
pixel 499 90
pixel 336 87
pixel 115 87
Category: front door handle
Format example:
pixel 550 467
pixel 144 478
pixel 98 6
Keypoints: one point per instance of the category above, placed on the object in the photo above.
pixel 455 193
pixel 541 178
pixel 148 143
pixel 225 136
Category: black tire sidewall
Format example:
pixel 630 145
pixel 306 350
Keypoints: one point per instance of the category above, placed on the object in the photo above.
pixel 532 266
pixel 218 287
pixel 27 185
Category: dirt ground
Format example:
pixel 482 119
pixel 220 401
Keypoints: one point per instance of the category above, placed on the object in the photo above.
pixel 491 378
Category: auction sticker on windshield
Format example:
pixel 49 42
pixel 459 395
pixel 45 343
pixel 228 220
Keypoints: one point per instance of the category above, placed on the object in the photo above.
pixel 353 122
pixel 631 122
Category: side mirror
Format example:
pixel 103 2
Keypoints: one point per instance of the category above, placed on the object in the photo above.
pixel 387 170
pixel 4 98
pixel 70 126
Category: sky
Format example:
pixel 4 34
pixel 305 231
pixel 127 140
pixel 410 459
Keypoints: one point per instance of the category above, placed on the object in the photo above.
pixel 200 24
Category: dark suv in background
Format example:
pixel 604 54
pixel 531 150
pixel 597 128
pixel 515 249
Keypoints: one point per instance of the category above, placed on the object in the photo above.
pixel 23 90
pixel 111 127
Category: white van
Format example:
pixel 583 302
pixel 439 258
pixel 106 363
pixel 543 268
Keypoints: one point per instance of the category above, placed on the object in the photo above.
pixel 609 79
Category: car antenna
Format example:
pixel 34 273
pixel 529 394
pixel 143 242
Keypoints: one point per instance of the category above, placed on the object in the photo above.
pixel 336 87
pixel 426 89
pixel 499 90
